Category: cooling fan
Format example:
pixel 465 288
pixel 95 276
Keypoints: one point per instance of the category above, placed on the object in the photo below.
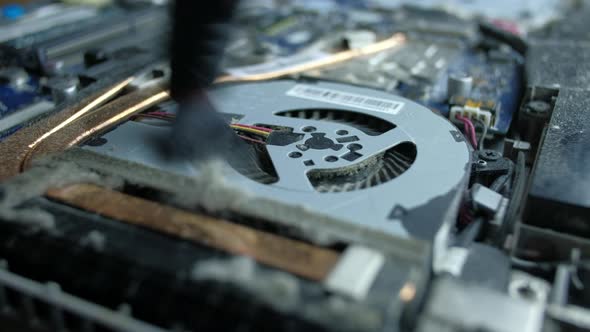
pixel 363 156
pixel 377 169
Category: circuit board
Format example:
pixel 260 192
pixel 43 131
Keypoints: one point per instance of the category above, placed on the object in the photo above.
pixel 496 76
pixel 366 166
pixel 12 99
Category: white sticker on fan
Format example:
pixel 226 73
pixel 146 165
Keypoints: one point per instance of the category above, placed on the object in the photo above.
pixel 345 99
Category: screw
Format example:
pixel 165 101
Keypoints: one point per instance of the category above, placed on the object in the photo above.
pixel 489 155
pixel 97 141
pixel 538 108
pixel 94 56
pixel 527 292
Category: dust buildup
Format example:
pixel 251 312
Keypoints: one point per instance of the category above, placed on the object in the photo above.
pixel 283 293
pixel 46 174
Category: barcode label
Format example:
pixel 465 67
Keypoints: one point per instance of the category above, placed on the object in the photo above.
pixel 345 99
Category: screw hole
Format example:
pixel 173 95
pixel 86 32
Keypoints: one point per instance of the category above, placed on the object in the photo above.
pixel 97 141
pixel 309 129
pixel 342 132
pixel 526 292
pixel 295 154
pixel 331 159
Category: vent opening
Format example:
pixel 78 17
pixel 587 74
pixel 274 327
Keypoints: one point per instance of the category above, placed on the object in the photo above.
pixel 369 124
pixel 372 172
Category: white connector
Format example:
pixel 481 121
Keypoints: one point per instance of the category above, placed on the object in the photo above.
pixel 472 113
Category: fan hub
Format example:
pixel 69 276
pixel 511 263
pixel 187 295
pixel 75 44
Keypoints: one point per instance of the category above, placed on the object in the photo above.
pixel 319 141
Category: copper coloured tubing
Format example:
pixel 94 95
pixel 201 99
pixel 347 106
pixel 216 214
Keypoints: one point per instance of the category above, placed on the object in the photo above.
pixel 78 122
pixel 392 42
pixel 92 123
pixel 17 147
pixel 299 258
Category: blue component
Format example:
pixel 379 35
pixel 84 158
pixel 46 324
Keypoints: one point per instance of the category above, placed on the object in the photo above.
pixel 499 81
pixel 9 132
pixel 509 101
pixel 13 12
pixel 11 99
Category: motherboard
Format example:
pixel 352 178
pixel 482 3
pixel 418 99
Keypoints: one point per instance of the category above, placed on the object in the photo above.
pixel 407 166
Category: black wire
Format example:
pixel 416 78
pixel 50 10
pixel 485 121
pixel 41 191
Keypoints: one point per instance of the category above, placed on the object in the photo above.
pixel 499 185
pixel 546 265
pixel 517 198
pixel 517 43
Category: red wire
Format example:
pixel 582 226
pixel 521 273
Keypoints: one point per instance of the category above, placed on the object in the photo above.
pixel 465 217
pixel 167 116
pixel 473 135
pixel 472 132
pixel 469 129
pixel 268 130
pixel 171 115
pixel 153 116
pixel 159 113
pixel 251 139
